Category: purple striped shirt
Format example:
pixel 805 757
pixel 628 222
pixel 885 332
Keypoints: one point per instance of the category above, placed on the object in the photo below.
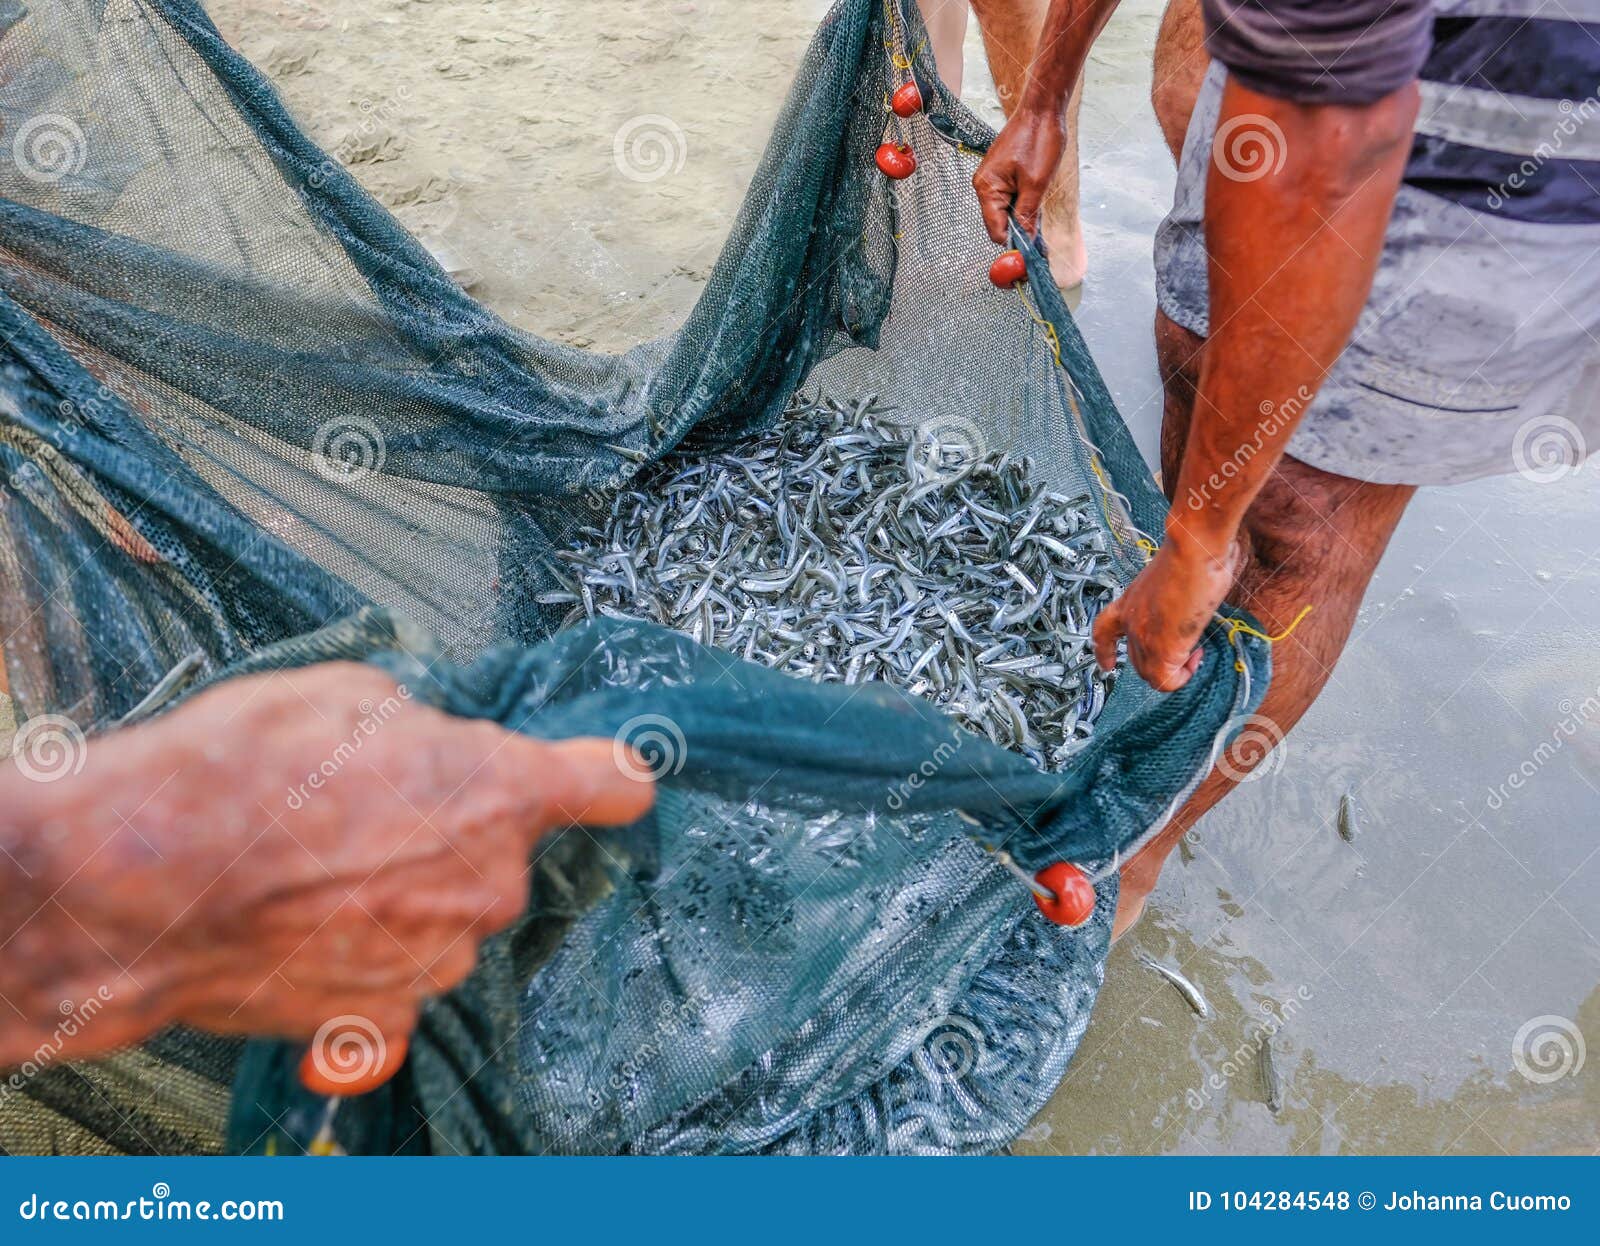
pixel 1320 51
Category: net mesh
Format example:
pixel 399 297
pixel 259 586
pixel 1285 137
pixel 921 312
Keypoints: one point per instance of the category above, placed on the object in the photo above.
pixel 245 415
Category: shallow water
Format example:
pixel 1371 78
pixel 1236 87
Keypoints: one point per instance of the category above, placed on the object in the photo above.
pixel 1409 959
pixel 1401 966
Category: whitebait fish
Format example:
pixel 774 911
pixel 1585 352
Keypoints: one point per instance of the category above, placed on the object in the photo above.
pixel 1347 819
pixel 842 546
pixel 1189 991
pixel 1271 1083
pixel 170 684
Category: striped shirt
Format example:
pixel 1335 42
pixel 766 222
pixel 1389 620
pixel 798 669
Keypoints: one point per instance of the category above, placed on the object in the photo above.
pixel 1510 116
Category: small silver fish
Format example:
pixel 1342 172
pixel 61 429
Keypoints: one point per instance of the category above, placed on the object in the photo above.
pixel 1189 991
pixel 1347 819
pixel 845 545
pixel 1271 1083
pixel 170 684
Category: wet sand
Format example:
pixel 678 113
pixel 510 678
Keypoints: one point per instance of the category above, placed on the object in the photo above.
pixel 1402 966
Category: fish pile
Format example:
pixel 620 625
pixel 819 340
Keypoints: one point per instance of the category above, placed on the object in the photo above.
pixel 842 546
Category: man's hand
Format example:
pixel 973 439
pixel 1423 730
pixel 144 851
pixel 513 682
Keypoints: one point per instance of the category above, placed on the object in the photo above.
pixel 1164 610
pixel 1017 170
pixel 1023 157
pixel 284 850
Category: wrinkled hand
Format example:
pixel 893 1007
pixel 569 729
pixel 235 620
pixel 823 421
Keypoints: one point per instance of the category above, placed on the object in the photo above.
pixel 1017 170
pixel 284 850
pixel 1164 611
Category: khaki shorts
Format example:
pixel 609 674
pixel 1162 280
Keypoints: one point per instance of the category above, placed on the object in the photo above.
pixel 1477 353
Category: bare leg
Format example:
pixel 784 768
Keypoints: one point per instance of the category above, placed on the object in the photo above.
pixel 1310 537
pixel 1180 67
pixel 1010 35
pixel 946 21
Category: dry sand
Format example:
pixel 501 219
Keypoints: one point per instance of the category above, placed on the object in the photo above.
pixel 491 130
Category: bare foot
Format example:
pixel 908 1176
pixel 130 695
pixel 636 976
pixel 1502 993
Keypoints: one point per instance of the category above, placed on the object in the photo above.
pixel 1138 880
pixel 1069 258
pixel 1130 908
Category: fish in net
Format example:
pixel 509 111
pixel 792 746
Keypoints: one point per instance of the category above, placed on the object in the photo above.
pixel 843 545
pixel 248 423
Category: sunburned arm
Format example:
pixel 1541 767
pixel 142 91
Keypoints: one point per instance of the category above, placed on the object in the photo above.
pixel 1297 201
pixel 276 851
pixel 1023 158
pixel 1069 31
pixel 1292 254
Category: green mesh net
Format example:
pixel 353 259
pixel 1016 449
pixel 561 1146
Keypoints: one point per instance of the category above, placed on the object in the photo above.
pixel 245 416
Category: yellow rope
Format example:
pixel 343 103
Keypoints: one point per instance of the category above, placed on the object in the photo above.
pixel 1114 519
pixel 1237 626
pixel 1049 329
pixel 1143 542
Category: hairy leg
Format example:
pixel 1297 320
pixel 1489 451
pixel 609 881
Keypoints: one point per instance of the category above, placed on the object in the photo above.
pixel 1310 538
pixel 1010 35
pixel 1180 66
pixel 946 21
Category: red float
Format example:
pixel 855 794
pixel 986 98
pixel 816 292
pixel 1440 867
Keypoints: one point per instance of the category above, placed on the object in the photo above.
pixel 1074 894
pixel 896 160
pixel 1008 269
pixel 906 101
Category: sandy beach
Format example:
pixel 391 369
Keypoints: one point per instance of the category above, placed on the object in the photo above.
pixel 492 129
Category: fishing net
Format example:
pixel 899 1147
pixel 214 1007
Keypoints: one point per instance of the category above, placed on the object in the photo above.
pixel 247 422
